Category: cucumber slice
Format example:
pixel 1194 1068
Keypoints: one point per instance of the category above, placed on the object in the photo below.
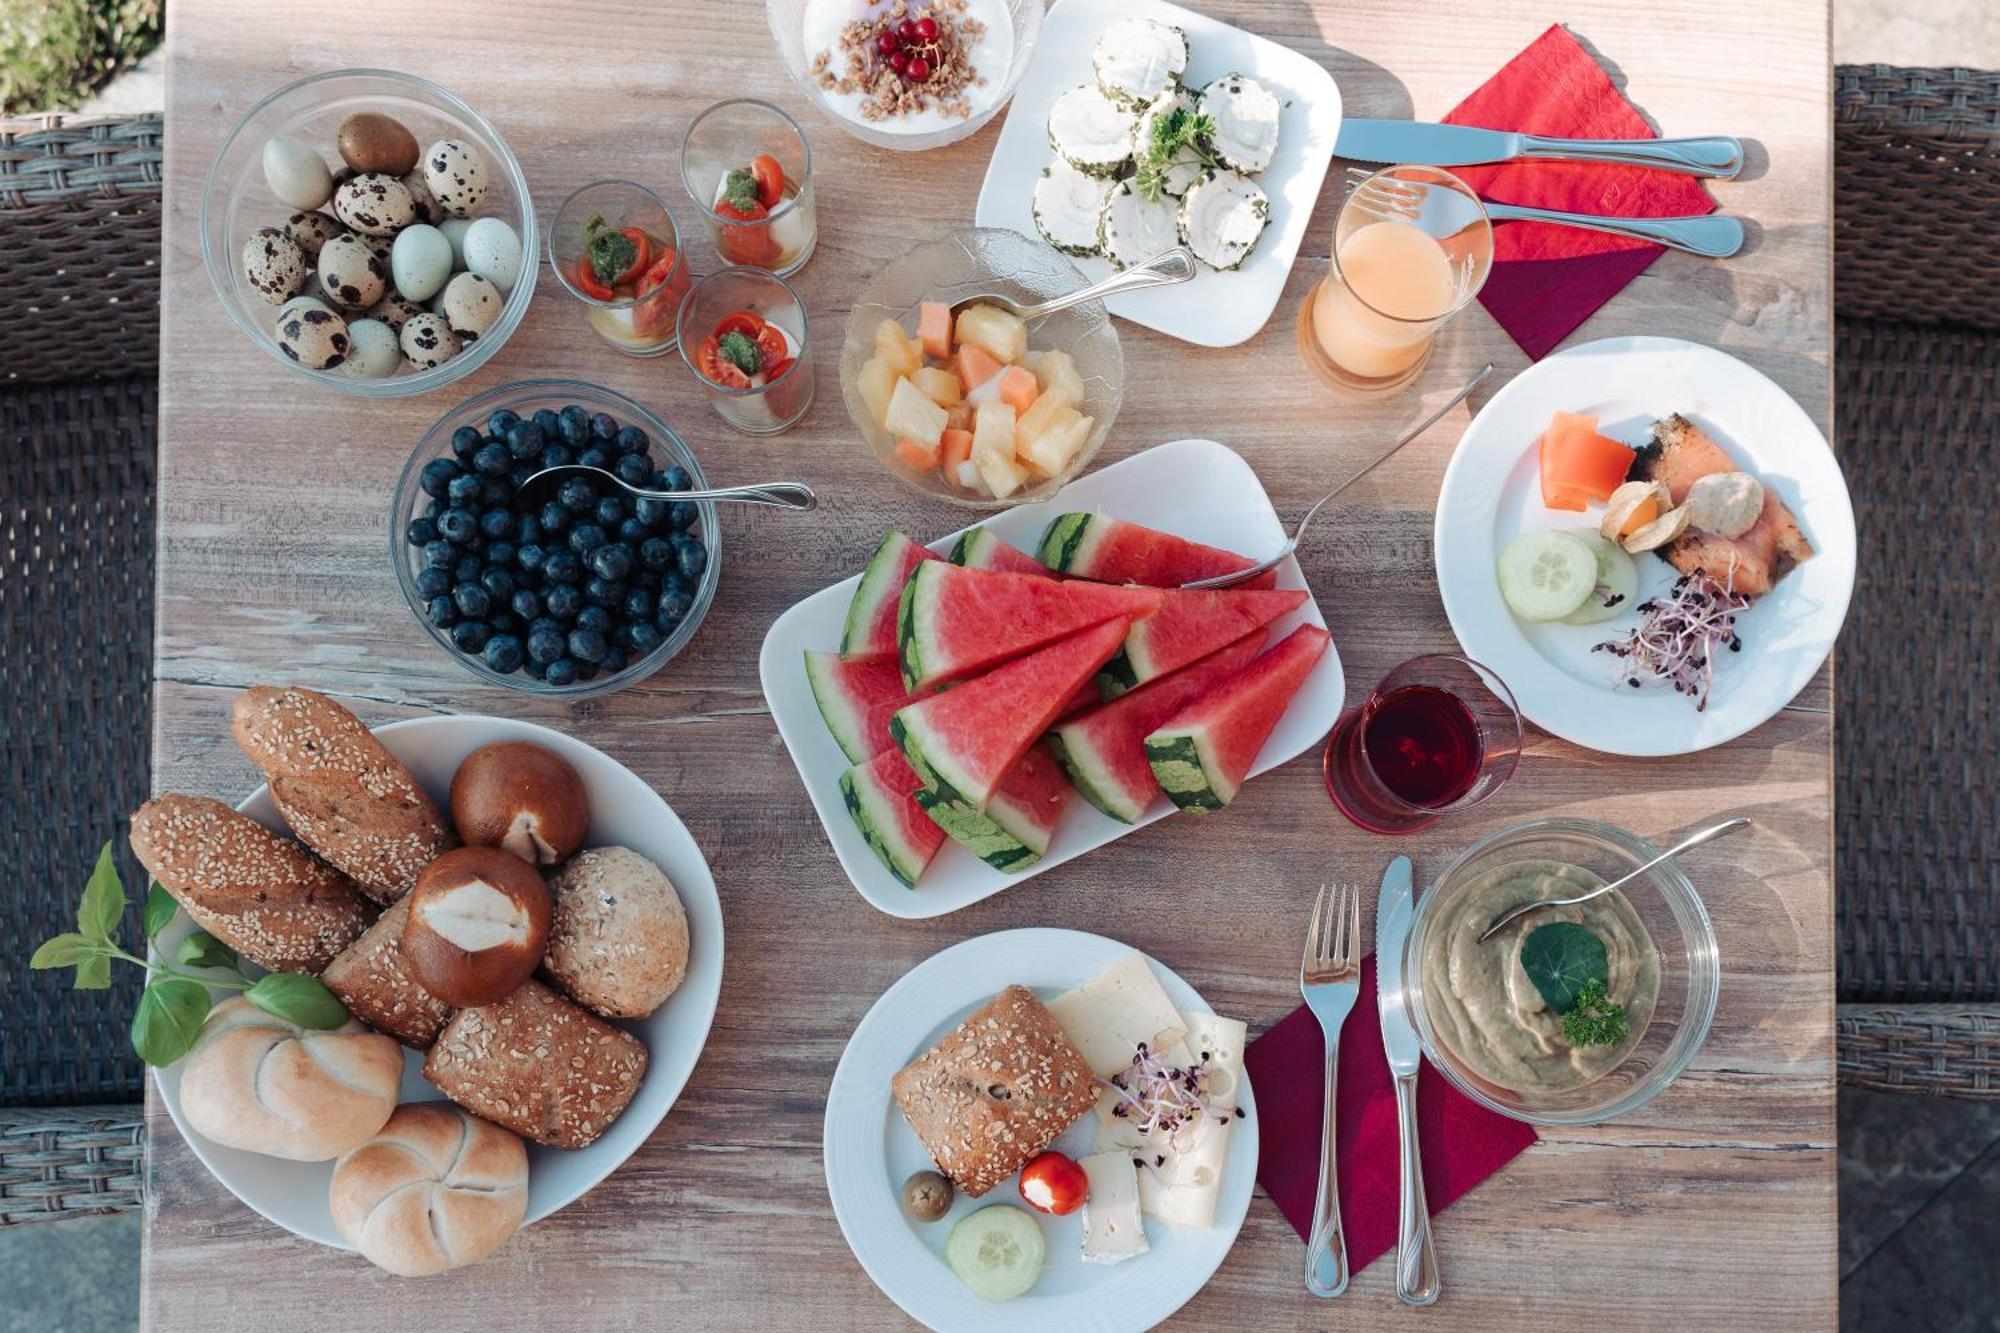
pixel 996 1252
pixel 1546 575
pixel 1617 580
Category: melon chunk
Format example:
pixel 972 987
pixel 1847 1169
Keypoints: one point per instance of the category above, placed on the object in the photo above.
pixel 897 348
pixel 993 449
pixel 876 384
pixel 1059 443
pixel 940 386
pixel 913 416
pixel 934 329
pixel 975 366
pixel 992 329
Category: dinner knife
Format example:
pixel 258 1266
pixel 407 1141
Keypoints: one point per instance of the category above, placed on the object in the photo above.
pixel 1716 155
pixel 1417 1279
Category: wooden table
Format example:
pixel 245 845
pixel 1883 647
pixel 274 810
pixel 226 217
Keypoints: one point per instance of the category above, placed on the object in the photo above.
pixel 1713 1207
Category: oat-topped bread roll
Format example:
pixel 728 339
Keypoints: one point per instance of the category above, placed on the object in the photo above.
pixel 264 896
pixel 618 941
pixel 436 1189
pixel 344 794
pixel 995 1091
pixel 539 1065
pixel 370 979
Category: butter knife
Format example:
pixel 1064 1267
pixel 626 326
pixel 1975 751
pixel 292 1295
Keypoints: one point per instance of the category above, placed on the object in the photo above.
pixel 1714 155
pixel 1417 1279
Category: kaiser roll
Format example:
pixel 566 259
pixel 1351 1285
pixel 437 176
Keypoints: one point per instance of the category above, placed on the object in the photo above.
pixel 255 1082
pixel 435 1190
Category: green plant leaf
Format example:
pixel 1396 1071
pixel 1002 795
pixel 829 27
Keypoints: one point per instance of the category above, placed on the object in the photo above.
pixel 297 998
pixel 94 973
pixel 103 899
pixel 65 950
pixel 160 909
pixel 202 949
pixel 1561 958
pixel 168 1019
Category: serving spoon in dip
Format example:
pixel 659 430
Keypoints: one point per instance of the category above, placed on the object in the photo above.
pixel 1687 844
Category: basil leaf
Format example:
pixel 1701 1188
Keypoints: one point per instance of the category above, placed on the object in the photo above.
pixel 297 998
pixel 160 909
pixel 93 973
pixel 168 1019
pixel 65 950
pixel 1561 958
pixel 103 899
pixel 202 949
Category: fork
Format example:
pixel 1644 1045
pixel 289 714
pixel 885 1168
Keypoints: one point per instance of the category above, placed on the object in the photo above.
pixel 1712 234
pixel 1330 981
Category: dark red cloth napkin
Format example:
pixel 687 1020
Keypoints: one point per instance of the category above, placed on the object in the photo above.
pixel 1463 1142
pixel 1546 280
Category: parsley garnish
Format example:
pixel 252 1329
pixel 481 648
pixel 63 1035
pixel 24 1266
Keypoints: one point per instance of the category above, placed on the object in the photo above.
pixel 1177 131
pixel 1594 1021
pixel 739 188
pixel 740 351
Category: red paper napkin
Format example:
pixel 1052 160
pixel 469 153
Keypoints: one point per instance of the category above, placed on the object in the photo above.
pixel 1463 1143
pixel 1546 280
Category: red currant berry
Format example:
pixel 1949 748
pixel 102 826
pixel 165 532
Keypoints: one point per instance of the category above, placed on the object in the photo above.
pixel 900 62
pixel 918 69
pixel 907 30
pixel 888 43
pixel 927 29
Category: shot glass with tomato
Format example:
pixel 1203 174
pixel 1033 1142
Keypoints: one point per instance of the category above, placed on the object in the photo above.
pixel 615 247
pixel 743 333
pixel 748 166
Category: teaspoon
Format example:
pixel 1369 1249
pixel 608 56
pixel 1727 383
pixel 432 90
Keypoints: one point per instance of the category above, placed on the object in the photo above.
pixel 1688 844
pixel 794 495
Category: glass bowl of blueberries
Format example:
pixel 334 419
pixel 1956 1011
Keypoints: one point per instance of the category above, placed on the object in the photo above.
pixel 575 589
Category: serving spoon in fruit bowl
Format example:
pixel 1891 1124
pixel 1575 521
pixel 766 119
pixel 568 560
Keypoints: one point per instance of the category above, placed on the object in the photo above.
pixel 1162 270
pixel 794 495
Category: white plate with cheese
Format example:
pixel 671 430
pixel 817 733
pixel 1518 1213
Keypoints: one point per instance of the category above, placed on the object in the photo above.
pixel 870 1150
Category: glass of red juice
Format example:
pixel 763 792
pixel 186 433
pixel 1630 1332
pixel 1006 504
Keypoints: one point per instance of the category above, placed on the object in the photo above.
pixel 1438 734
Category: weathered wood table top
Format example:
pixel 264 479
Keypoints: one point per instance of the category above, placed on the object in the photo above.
pixel 1712 1207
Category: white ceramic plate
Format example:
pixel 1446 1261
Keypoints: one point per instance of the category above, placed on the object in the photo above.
pixel 870 1150
pixel 1194 488
pixel 1492 493
pixel 624 811
pixel 1215 309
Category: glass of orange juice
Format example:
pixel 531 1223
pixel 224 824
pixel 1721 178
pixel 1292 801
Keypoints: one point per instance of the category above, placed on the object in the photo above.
pixel 1411 248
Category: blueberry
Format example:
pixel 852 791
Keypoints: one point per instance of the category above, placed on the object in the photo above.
pixel 594 618
pixel 502 554
pixel 440 553
pixel 465 441
pixel 563 601
pixel 545 421
pixel 649 579
pixel 492 460
pixel 585 538
pixel 573 424
pixel 497 524
pixel 684 515
pixel 529 558
pixel 495 491
pixel 518 476
pixel 586 671
pixel 504 622
pixel 644 637
pixel 577 496
pixel 421 531
pixel 631 531
pixel 442 612
pixel 562 671
pixel 554 519
pixel 656 553
pixel 433 507
pixel 638 604
pixel 556 455
pixel 586 645
pixel 545 645
pixel 612 662
pixel 432 582
pixel 676 478
pixel 467 569
pixel 611 511
pixel 525 440
pixel 690 555
pixel 612 561
pixel 651 514
pixel 560 566
pixel 501 422
pixel 457 526
pixel 472 600
pixel 525 604
pixel 499 584
pixel 469 636
pixel 535 670
pixel 463 492
pixel 603 592
pixel 631 440
pixel 597 455
pixel 633 469
pixel 674 604
pixel 527 528
pixel 603 426
pixel 436 477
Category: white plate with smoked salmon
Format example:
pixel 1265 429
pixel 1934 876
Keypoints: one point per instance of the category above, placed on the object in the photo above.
pixel 1649 541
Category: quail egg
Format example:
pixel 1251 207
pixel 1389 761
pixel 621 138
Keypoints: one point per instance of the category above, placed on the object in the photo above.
pixel 375 204
pixel 310 230
pixel 371 141
pixel 456 174
pixel 493 251
pixel 274 265
pixel 394 310
pixel 420 261
pixel 470 305
pixel 350 273
pixel 298 303
pixel 316 339
pixel 428 341
pixel 374 352
pixel 295 173
pixel 454 230
pixel 428 208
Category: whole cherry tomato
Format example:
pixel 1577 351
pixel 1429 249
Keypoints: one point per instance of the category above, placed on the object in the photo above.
pixel 1052 1183
pixel 770 179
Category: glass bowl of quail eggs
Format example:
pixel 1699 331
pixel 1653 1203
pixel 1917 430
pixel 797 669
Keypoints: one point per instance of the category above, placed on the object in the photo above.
pixel 370 231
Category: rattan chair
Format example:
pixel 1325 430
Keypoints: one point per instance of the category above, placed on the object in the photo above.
pixel 1917 672
pixel 79 355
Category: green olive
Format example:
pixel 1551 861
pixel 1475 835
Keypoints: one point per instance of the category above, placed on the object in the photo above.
pixel 927 1196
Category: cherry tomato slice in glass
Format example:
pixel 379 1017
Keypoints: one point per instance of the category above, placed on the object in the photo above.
pixel 771 346
pixel 642 256
pixel 587 280
pixel 746 322
pixel 770 178
pixel 660 292
pixel 1052 1183
pixel 708 360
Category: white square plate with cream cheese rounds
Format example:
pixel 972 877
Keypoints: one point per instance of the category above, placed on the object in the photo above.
pixel 1492 494
pixel 870 1150
pixel 1217 308
pixel 1192 488
pixel 624 812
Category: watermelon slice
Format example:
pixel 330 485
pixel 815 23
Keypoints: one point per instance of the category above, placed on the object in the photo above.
pixel 958 621
pixel 871 616
pixel 963 741
pixel 881 796
pixel 1191 625
pixel 1018 826
pixel 1104 751
pixel 856 699
pixel 977 548
pixel 1111 550
pixel 1202 754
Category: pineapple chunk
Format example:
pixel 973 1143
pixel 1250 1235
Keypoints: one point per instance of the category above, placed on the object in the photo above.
pixel 1057 373
pixel 897 347
pixel 913 416
pixel 993 449
pixel 993 330
pixel 1038 419
pixel 1057 446
pixel 940 386
pixel 958 416
pixel 875 384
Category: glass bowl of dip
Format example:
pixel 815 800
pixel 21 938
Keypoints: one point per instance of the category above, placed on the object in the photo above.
pixel 1487 1028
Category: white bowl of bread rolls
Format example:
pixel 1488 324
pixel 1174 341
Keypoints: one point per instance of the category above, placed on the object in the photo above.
pixel 526 938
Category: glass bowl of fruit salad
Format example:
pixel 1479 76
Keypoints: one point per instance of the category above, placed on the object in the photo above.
pixel 980 409
pixel 571 590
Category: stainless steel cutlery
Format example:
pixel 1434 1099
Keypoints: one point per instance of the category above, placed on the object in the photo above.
pixel 1417 1281
pixel 1716 155
pixel 1330 981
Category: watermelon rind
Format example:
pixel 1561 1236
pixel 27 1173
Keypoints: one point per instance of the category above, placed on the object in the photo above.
pixel 1187 772
pixel 881 584
pixel 1138 661
pixel 1062 544
pixel 876 811
pixel 1187 752
pixel 1114 550
pixel 845 720
pixel 1011 835
pixel 1092 780
pixel 932 760
pixel 978 548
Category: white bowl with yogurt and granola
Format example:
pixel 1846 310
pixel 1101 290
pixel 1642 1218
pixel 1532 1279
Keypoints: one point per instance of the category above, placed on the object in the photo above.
pixel 907 74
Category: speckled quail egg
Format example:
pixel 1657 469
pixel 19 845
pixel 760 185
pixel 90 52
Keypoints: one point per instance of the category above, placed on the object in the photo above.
pixel 470 305
pixel 394 310
pixel 420 261
pixel 374 352
pixel 374 204
pixel 298 303
pixel 274 265
pixel 295 173
pixel 310 230
pixel 493 251
pixel 454 230
pixel 428 341
pixel 428 208
pixel 316 339
pixel 456 174
pixel 350 273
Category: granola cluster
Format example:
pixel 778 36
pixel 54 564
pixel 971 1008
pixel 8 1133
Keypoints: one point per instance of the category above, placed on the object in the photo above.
pixel 888 92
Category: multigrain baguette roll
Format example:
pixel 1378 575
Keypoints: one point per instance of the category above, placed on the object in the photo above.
pixel 436 1189
pixel 344 794
pixel 539 1065
pixel 264 896
pixel 370 979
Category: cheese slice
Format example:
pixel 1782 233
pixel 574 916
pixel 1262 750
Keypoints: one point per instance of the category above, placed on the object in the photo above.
pixel 1109 1015
pixel 1112 1231
pixel 1182 1192
pixel 1220 1040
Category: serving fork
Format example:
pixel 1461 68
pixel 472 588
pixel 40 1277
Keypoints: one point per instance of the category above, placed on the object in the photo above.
pixel 1715 235
pixel 1330 981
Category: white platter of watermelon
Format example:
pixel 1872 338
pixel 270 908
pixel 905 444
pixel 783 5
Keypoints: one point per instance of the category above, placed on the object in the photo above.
pixel 970 714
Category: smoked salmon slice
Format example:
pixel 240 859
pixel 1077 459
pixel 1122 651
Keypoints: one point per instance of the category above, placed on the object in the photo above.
pixel 1679 454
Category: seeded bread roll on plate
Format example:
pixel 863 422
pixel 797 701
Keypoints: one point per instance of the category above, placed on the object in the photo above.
pixel 618 942
pixel 370 979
